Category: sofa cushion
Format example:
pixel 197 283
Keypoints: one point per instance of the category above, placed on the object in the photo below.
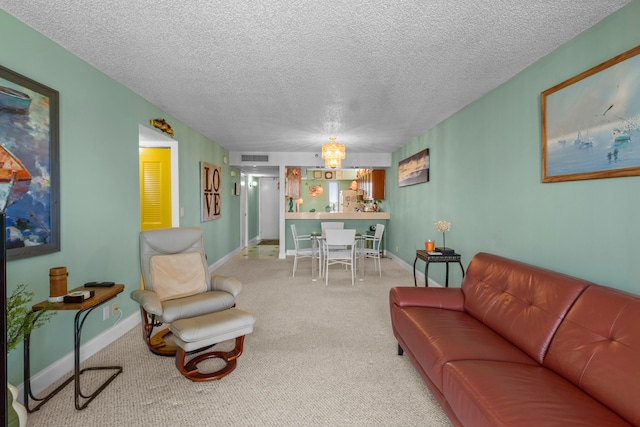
pixel 491 394
pixel 523 303
pixel 597 347
pixel 435 336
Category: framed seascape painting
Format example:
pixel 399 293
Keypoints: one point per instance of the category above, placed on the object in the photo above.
pixel 414 169
pixel 29 166
pixel 591 123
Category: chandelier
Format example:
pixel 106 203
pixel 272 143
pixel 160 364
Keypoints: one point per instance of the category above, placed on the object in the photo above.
pixel 333 154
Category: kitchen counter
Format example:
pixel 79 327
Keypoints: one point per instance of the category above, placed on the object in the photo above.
pixel 338 215
pixel 309 222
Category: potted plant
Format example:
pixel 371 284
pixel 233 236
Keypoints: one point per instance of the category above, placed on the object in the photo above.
pixel 21 320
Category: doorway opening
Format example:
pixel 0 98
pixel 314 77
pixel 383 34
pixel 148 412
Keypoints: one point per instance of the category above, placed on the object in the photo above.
pixel 148 138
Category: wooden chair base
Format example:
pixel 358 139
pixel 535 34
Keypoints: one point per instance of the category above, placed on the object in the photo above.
pixel 156 343
pixel 190 369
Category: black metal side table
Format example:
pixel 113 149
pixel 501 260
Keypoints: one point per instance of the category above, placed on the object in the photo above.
pixel 424 256
pixel 101 295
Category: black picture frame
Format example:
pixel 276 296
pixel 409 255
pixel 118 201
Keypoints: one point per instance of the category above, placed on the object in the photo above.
pixel 3 372
pixel 29 141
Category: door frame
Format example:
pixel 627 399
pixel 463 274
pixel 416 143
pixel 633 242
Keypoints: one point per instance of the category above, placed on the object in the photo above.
pixel 261 205
pixel 244 219
pixel 148 138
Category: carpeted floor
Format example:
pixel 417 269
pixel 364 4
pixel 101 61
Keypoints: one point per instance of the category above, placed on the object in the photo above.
pixel 318 356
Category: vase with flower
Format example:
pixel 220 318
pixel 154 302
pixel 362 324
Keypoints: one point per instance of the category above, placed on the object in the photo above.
pixel 443 227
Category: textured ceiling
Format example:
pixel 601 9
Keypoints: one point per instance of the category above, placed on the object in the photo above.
pixel 284 75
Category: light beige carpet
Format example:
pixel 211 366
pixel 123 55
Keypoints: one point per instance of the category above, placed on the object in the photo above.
pixel 318 356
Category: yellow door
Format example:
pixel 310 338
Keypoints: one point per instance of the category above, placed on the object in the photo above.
pixel 155 188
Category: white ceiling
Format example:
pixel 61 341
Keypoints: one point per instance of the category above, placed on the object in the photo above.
pixel 284 75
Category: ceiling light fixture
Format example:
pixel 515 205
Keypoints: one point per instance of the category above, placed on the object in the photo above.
pixel 333 154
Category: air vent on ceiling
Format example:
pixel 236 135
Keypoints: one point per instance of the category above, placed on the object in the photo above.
pixel 255 157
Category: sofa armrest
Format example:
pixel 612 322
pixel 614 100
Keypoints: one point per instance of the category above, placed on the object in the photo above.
pixel 227 284
pixel 149 300
pixel 445 298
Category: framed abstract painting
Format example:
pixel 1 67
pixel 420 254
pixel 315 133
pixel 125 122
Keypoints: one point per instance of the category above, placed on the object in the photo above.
pixel 29 165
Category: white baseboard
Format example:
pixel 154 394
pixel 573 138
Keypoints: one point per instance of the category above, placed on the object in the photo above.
pixel 58 369
pixel 419 274
pixel 213 267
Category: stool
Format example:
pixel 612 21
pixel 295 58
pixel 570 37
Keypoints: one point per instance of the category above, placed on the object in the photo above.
pixel 197 333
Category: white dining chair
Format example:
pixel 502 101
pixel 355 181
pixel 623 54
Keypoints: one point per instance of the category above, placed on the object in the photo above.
pixel 372 247
pixel 330 225
pixel 300 251
pixel 339 247
pixel 333 224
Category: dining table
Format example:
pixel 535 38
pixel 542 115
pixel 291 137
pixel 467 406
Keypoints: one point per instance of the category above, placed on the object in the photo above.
pixel 317 237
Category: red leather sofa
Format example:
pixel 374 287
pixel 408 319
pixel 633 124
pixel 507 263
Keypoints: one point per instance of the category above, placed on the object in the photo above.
pixel 518 345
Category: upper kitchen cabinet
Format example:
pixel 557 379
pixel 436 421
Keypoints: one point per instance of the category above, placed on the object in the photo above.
pixel 372 182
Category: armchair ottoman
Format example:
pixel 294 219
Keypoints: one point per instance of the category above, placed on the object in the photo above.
pixel 198 333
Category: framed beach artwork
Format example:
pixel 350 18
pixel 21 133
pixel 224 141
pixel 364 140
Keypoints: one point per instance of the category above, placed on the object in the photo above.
pixel 591 123
pixel 29 166
pixel 414 169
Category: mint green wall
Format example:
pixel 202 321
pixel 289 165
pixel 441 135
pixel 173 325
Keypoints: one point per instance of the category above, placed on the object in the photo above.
pixel 99 199
pixel 486 179
pixel 320 201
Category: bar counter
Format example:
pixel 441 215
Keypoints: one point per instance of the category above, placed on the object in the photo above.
pixel 368 216
pixel 308 222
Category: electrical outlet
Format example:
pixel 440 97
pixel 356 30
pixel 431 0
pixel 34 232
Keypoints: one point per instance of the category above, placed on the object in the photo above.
pixel 105 313
pixel 396 249
pixel 114 308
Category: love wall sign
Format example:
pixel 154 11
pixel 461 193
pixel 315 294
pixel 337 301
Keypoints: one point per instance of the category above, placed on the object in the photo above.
pixel 210 190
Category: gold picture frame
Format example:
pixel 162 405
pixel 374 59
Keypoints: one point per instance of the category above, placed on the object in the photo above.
pixel 591 122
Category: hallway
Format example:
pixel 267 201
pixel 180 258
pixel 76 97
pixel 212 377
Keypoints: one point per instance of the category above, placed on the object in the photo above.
pixel 256 250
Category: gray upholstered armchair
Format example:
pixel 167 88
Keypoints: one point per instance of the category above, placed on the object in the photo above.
pixel 177 283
